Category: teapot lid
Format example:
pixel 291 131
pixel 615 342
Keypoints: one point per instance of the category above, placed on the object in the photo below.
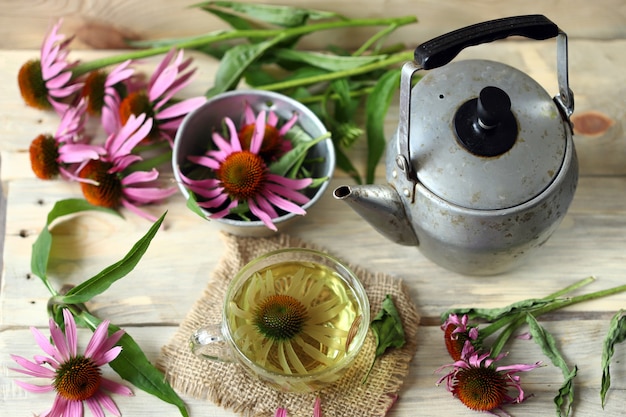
pixel 484 135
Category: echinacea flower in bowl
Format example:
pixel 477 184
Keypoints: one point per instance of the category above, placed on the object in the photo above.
pixel 252 161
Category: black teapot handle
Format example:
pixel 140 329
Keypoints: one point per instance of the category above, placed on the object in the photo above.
pixel 442 49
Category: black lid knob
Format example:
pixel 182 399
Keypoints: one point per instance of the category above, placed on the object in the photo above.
pixel 485 125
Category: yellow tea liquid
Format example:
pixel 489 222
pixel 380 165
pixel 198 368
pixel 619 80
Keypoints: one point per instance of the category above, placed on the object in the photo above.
pixel 294 318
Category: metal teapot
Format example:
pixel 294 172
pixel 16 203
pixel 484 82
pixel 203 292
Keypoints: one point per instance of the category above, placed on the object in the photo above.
pixel 482 167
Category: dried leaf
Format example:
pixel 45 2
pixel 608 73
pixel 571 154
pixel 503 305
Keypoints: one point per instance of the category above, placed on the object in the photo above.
pixel 615 335
pixel 565 397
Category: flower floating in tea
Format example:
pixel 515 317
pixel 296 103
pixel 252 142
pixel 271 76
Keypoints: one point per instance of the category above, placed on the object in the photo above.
pixel 294 318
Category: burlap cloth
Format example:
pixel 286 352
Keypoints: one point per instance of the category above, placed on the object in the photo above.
pixel 229 386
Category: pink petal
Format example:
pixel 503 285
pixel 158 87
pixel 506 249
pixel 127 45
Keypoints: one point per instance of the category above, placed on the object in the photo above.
pixel 222 143
pixel 288 193
pixel 264 217
pixel 258 134
pixel 59 341
pixel 70 332
pixel 249 115
pixel 59 81
pixel 235 144
pixel 115 387
pixel 140 177
pixel 32 369
pixel 94 406
pixel 146 195
pixel 204 161
pixel 295 184
pixel 281 412
pixel 136 210
pixel 38 389
pixel 119 74
pixel 272 119
pixel 284 204
pixel 181 108
pixel 106 357
pixel 285 128
pixel 44 343
pixel 162 83
pixel 99 337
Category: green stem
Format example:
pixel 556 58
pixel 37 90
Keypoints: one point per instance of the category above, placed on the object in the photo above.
pixel 515 321
pixel 283 85
pixel 505 321
pixel 196 42
pixel 379 35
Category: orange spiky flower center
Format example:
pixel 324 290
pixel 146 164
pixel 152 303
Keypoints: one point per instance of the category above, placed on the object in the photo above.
pixel 32 85
pixel 280 317
pixel 78 379
pixel 137 103
pixel 480 389
pixel 272 145
pixel 44 152
pixel 242 174
pixel 454 342
pixel 108 192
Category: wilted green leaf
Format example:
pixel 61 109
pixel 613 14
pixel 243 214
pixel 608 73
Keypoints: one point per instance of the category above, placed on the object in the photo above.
pixel 546 341
pixel 376 108
pixel 615 335
pixel 387 329
pixel 41 248
pixel 283 16
pixel 133 366
pixel 327 61
pixel 103 280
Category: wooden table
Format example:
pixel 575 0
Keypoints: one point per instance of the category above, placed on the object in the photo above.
pixel 153 299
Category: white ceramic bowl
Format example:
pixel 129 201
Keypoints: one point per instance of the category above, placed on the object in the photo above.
pixel 196 128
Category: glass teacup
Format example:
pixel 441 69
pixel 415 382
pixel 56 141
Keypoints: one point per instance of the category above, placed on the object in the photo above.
pixel 294 318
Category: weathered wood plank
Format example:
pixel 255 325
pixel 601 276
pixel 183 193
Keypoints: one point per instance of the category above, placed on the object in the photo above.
pixel 105 23
pixel 581 346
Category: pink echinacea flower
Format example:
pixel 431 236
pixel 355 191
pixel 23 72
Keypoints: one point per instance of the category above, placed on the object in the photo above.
pixel 76 378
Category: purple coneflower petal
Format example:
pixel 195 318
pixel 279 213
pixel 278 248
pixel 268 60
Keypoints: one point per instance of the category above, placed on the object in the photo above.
pixel 146 195
pixel 116 387
pixel 263 216
pixel 259 133
pixel 32 369
pixel 58 338
pixel 284 204
pixel 181 108
pixel 287 126
pixel 38 389
pixel 204 161
pixel 44 343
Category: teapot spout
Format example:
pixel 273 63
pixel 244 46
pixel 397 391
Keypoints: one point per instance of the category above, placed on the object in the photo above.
pixel 381 207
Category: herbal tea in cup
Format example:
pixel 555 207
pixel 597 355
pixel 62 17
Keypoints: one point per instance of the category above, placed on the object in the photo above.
pixel 294 318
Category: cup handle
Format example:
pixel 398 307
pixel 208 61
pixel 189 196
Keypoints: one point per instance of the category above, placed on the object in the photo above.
pixel 208 342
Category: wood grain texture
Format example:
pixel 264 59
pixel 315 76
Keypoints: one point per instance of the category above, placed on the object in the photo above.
pixel 104 23
pixel 159 292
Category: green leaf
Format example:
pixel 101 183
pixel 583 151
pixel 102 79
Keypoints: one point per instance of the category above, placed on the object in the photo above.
pixel 100 282
pixel 295 156
pixel 283 16
pixel 376 108
pixel 327 61
pixel 387 329
pixel 192 204
pixel 546 341
pixel 615 335
pixel 235 62
pixel 41 248
pixel 133 366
